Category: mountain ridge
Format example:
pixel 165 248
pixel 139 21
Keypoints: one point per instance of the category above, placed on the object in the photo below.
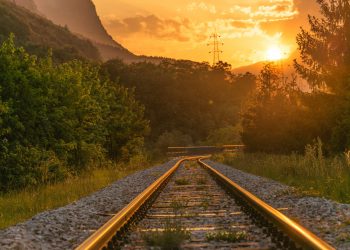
pixel 86 26
pixel 87 23
pixel 39 35
pixel 28 4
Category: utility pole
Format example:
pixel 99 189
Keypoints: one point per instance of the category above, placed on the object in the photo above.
pixel 215 42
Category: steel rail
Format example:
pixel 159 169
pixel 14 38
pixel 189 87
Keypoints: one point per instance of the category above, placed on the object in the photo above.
pixel 303 237
pixel 103 235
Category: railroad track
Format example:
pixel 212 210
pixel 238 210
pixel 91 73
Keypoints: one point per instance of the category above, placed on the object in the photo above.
pixel 193 206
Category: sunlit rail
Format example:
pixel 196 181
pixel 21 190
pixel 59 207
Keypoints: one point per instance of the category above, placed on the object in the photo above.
pixel 285 230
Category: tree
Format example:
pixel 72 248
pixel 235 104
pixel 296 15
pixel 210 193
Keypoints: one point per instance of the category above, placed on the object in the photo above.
pixel 270 122
pixel 325 63
pixel 325 49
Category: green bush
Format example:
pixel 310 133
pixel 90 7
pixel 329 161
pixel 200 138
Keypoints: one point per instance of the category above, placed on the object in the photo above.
pixel 60 119
pixel 29 166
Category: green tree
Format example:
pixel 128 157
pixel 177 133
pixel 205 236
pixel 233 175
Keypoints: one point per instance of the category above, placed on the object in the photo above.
pixel 271 119
pixel 325 60
pixel 325 53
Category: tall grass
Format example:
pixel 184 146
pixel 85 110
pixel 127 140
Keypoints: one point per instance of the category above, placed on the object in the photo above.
pixel 312 173
pixel 19 206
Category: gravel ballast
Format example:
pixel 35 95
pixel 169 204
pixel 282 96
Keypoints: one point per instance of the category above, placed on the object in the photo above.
pixel 67 227
pixel 327 219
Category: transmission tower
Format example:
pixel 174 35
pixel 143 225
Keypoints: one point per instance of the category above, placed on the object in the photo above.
pixel 216 51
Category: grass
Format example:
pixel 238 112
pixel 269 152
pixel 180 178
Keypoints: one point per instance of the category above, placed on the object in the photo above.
pixel 311 173
pixel 170 239
pixel 202 181
pixel 178 206
pixel 201 188
pixel 182 182
pixel 227 236
pixel 19 206
pixel 343 237
pixel 205 203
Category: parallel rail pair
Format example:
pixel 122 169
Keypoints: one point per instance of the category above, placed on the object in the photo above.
pixel 203 150
pixel 280 224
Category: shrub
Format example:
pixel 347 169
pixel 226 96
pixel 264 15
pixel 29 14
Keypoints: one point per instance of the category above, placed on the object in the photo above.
pixel 29 166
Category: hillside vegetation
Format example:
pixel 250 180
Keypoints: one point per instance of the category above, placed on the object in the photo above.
pixel 79 15
pixel 28 4
pixel 87 24
pixel 38 35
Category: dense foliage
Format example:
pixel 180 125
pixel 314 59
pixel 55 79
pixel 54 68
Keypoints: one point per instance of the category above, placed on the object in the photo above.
pixel 281 118
pixel 325 51
pixel 57 120
pixel 185 100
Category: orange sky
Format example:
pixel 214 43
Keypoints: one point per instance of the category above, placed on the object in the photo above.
pixel 181 28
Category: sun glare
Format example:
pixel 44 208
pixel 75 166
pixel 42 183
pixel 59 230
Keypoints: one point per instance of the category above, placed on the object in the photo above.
pixel 274 54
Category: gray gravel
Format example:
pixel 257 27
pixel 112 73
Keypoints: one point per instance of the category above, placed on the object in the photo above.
pixel 201 207
pixel 67 227
pixel 328 219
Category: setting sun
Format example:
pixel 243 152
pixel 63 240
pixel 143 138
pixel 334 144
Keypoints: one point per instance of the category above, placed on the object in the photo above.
pixel 274 54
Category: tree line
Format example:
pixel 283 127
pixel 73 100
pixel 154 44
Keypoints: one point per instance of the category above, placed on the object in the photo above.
pixel 186 102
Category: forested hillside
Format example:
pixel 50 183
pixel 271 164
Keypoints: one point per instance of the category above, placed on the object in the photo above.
pixel 28 4
pixel 38 35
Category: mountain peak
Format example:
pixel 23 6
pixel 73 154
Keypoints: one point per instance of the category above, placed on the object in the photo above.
pixel 79 15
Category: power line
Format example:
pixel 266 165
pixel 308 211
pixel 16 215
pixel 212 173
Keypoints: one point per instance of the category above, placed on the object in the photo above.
pixel 216 51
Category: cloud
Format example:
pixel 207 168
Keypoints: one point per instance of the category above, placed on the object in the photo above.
pixel 151 25
pixel 273 9
pixel 242 19
pixel 184 31
pixel 195 6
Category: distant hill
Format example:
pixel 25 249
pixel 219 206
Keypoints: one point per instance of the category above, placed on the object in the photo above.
pixel 80 17
pixel 255 68
pixel 38 34
pixel 286 64
pixel 252 68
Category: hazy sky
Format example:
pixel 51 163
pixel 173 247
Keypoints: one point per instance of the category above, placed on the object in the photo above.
pixel 181 28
